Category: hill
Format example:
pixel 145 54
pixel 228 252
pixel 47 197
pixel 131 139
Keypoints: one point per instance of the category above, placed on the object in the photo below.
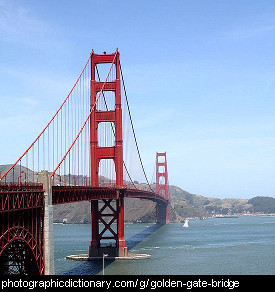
pixel 182 205
pixel 136 210
pixel 191 205
pixel 263 204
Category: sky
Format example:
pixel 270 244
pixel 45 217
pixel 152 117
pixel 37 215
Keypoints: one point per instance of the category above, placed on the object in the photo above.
pixel 200 78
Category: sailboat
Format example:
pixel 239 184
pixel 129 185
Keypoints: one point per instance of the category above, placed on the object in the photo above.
pixel 186 225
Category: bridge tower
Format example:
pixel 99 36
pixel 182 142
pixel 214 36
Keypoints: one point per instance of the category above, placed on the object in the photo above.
pixel 107 211
pixel 162 187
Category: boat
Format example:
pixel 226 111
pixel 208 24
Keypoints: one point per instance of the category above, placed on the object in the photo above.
pixel 186 225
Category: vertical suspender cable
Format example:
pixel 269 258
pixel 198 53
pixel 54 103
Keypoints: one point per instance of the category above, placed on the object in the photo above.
pixel 133 127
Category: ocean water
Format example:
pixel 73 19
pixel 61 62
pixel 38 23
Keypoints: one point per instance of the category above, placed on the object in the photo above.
pixel 220 246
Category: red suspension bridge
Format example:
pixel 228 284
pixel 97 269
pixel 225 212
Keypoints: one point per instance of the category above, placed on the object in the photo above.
pixel 87 151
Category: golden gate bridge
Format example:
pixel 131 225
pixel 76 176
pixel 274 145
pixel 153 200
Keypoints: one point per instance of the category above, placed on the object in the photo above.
pixel 87 151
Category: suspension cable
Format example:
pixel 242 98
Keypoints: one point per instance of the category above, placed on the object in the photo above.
pixel 114 130
pixel 49 123
pixel 132 125
pixel 93 107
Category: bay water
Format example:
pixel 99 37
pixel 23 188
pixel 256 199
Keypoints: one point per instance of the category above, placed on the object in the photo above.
pixel 215 246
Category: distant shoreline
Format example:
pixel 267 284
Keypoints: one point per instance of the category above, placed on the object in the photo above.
pixel 190 218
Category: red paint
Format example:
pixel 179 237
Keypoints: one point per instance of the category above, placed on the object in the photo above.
pixel 22 205
pixel 162 188
pixel 21 226
pixel 115 153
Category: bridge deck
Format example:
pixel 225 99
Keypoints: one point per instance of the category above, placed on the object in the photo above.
pixel 18 197
pixel 69 194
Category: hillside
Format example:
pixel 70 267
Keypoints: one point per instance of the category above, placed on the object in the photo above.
pixel 136 210
pixel 263 204
pixel 182 205
pixel 200 206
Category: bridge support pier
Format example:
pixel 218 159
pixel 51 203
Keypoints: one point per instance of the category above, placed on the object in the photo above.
pixel 108 237
pixel 162 213
pixel 43 177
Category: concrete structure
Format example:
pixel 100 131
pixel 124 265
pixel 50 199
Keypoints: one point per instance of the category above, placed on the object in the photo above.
pixel 43 177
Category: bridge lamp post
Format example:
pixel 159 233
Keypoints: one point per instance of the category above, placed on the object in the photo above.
pixel 103 258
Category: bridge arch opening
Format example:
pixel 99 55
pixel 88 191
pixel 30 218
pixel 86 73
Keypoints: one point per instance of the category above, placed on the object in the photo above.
pixel 161 159
pixel 102 70
pixel 161 169
pixel 106 101
pixel 107 174
pixel 18 259
pixel 106 134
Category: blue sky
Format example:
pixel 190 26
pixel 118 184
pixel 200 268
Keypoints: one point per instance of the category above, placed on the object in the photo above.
pixel 200 78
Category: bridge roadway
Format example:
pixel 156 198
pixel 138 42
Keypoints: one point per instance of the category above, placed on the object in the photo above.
pixel 21 197
pixel 69 194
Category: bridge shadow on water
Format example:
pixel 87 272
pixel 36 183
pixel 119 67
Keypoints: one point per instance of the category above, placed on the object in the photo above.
pixel 139 237
pixel 95 267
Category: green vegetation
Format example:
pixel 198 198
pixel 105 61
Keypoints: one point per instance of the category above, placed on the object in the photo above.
pixel 185 210
pixel 183 205
pixel 263 204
